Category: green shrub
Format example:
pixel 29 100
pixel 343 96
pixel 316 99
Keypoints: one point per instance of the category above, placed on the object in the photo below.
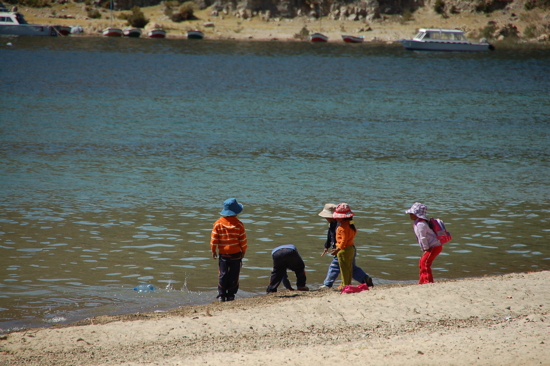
pixel 303 34
pixel 531 31
pixel 488 30
pixel 185 12
pixel 137 18
pixel 439 6
pixel 532 4
pixel 407 15
pixel 94 14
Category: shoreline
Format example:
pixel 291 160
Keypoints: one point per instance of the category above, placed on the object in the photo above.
pixel 388 29
pixel 492 320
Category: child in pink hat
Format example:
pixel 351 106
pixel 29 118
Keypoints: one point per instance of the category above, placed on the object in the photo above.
pixel 427 239
pixel 345 246
pixel 334 268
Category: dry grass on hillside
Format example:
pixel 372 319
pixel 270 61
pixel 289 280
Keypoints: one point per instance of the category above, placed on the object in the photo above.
pixel 388 29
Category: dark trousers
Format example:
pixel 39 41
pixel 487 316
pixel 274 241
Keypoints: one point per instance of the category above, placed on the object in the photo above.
pixel 284 259
pixel 229 270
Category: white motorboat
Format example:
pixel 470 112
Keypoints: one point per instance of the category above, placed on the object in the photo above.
pixel 13 23
pixel 443 40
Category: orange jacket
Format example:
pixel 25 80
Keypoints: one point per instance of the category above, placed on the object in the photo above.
pixel 344 236
pixel 228 236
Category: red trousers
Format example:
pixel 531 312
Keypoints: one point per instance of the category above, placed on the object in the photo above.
pixel 425 264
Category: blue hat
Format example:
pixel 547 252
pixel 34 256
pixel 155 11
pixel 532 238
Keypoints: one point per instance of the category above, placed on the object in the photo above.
pixel 231 207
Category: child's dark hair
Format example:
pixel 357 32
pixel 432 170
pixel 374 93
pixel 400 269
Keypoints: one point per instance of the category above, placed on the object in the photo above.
pixel 351 223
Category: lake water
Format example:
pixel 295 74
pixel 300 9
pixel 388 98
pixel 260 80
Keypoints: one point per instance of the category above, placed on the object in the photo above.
pixel 117 154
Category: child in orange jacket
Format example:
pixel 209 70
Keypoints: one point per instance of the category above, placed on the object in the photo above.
pixel 345 246
pixel 228 238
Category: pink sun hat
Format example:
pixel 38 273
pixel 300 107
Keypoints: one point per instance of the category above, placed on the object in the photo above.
pixel 418 209
pixel 343 211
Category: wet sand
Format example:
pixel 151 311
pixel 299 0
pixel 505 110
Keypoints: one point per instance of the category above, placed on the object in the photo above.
pixel 498 320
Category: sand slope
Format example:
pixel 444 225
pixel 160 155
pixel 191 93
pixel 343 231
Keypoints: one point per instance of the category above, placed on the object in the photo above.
pixel 501 320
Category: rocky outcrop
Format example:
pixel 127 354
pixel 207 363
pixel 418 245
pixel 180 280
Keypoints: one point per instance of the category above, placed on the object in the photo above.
pixel 289 8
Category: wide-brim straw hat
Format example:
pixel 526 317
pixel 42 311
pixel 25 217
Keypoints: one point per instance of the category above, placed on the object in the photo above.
pixel 231 207
pixel 419 210
pixel 328 210
pixel 342 211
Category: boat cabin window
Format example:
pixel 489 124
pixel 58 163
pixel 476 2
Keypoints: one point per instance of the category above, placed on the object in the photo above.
pixel 460 37
pixel 6 19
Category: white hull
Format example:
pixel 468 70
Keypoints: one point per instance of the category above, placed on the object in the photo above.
pixel 27 30
pixel 112 32
pixel 156 33
pixel 443 46
pixel 318 37
pixel 353 39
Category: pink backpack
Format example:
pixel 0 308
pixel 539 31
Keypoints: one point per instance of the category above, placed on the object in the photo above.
pixel 438 228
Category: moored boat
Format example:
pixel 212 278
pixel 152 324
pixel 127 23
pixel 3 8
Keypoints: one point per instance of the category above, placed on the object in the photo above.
pixel 112 32
pixel 13 23
pixel 443 40
pixel 195 34
pixel 132 32
pixel 156 33
pixel 318 37
pixel 352 39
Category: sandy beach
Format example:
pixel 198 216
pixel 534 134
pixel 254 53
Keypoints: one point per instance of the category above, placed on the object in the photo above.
pixel 498 320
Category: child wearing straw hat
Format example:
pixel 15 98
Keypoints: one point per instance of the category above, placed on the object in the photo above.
pixel 334 268
pixel 228 238
pixel 345 247
pixel 427 239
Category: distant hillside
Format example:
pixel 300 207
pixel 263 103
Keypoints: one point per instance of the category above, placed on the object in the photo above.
pixel 292 8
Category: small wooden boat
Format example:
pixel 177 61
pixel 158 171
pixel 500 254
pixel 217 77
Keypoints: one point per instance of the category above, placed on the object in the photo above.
pixel 157 33
pixel 112 32
pixel 352 39
pixel 132 32
pixel 63 29
pixel 318 37
pixel 195 34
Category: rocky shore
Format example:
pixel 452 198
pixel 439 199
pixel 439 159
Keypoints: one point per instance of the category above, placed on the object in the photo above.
pixel 499 320
pixel 511 23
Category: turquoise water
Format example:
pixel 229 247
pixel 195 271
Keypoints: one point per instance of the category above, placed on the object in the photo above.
pixel 116 156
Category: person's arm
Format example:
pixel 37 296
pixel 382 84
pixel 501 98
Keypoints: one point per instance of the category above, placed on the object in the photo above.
pixel 328 243
pixel 214 240
pixel 341 237
pixel 243 241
